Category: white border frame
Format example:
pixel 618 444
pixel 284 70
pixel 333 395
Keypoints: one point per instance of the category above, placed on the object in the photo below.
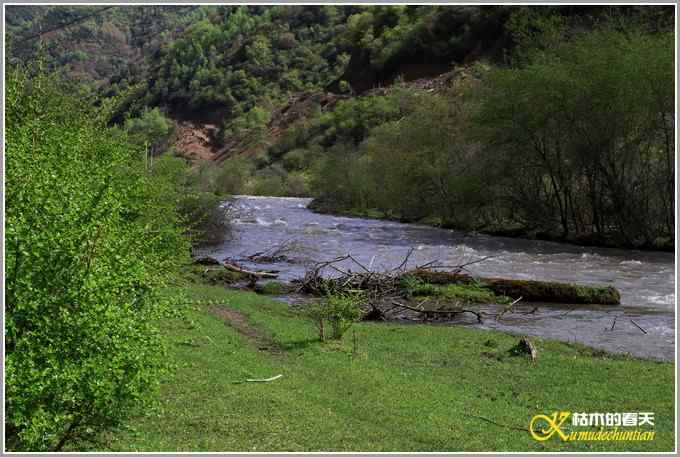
pixel 358 2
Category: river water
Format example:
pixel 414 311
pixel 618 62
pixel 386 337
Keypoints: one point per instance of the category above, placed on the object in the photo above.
pixel 645 279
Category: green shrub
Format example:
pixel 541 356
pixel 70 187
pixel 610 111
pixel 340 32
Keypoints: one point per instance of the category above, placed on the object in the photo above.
pixel 205 217
pixel 206 177
pixel 151 129
pixel 295 160
pixel 352 119
pixel 414 287
pixel 91 239
pixel 339 312
pixel 296 185
pixel 251 126
pixel 234 175
pixel 270 181
pixel 204 213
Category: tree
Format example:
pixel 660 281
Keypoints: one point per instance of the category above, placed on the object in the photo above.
pixel 587 125
pixel 151 129
pixel 90 241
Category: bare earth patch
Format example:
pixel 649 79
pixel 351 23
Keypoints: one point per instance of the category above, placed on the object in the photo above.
pixel 239 322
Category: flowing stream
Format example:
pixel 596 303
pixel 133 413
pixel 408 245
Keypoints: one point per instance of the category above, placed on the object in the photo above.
pixel 644 325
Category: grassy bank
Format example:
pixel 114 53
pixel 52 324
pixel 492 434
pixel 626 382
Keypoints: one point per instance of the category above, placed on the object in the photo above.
pixel 406 388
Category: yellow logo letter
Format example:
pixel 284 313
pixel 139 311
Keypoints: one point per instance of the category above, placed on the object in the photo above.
pixel 552 425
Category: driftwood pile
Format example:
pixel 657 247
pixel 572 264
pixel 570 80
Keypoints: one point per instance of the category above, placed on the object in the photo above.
pixel 383 291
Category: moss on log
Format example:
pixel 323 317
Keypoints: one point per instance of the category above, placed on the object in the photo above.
pixel 530 291
pixel 215 275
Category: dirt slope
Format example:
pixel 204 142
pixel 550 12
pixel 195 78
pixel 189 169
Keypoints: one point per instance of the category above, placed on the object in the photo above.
pixel 196 136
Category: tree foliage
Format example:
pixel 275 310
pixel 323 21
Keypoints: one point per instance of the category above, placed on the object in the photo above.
pixel 587 132
pixel 242 54
pixel 574 141
pixel 91 235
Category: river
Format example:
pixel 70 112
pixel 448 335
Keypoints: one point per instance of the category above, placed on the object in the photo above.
pixel 645 279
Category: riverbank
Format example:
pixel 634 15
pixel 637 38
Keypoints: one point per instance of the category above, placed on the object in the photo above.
pixel 321 207
pixel 385 387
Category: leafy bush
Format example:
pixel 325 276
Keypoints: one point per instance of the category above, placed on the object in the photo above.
pixel 341 176
pixel 352 119
pixel 204 211
pixel 90 239
pixel 150 129
pixel 269 181
pixel 414 287
pixel 296 185
pixel 294 137
pixel 206 216
pixel 295 160
pixel 272 288
pixel 251 125
pixel 234 175
pixel 205 177
pixel 340 311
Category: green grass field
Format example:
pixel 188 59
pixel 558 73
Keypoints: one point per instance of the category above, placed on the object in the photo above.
pixel 405 388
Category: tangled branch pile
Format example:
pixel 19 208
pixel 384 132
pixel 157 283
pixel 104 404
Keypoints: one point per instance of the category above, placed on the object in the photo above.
pixel 384 292
pixel 381 292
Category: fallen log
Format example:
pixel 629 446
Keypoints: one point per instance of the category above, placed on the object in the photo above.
pixel 258 274
pixel 528 290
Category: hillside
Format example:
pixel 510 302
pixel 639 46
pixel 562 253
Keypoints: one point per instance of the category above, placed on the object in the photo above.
pixel 282 100
pixel 107 47
pixel 220 63
pixel 209 67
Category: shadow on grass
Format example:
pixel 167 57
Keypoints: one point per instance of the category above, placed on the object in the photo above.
pixel 301 344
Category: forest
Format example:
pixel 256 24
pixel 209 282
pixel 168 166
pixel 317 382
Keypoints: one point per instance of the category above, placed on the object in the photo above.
pixel 525 96
pixel 127 128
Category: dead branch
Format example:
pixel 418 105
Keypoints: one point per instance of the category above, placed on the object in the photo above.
pixel 476 261
pixel 509 308
pixel 426 265
pixel 382 291
pixel 259 274
pixel 276 253
pixel 641 329
pixel 358 263
pixel 533 310
pixel 273 378
pixel 613 323
pixel 446 312
pixel 403 263
pixel 568 311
